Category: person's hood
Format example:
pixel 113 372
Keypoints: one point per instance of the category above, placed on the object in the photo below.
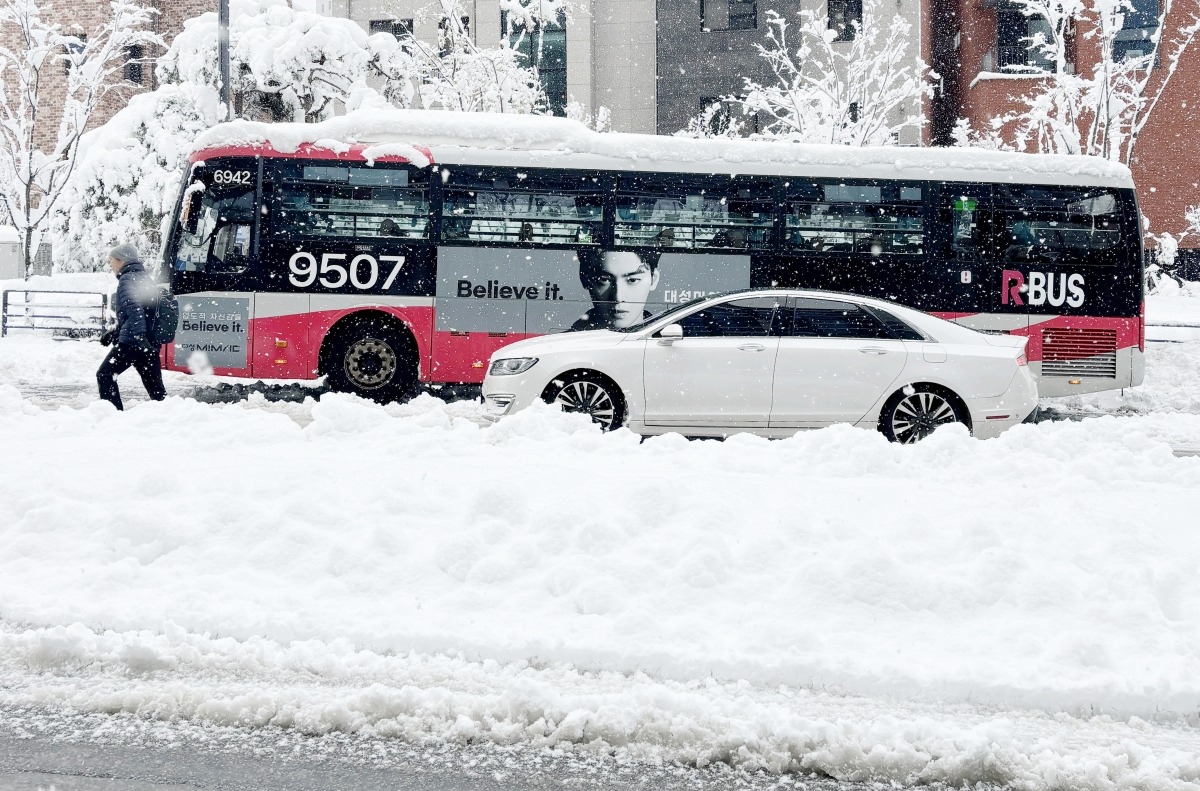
pixel 132 268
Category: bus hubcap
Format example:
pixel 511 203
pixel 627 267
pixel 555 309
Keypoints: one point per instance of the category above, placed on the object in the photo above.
pixel 588 398
pixel 918 415
pixel 370 363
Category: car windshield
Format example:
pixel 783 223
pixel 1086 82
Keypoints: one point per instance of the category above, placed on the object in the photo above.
pixel 641 325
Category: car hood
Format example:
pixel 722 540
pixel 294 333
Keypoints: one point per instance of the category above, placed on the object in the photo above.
pixel 574 341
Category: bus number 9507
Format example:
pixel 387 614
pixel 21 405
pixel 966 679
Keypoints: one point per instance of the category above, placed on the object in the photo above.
pixel 361 272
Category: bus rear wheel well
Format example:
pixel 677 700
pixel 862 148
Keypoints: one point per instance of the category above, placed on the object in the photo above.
pixel 397 340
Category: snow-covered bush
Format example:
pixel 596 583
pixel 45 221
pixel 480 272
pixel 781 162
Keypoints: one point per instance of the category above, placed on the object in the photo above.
pixel 867 91
pixel 285 64
pixel 127 176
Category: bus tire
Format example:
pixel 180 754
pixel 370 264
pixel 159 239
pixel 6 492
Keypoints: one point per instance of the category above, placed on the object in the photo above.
pixel 589 393
pixel 372 358
pixel 913 412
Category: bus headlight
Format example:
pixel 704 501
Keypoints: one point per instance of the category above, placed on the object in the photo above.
pixel 511 365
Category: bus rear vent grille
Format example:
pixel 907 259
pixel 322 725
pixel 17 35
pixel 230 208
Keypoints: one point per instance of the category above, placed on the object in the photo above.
pixel 1079 352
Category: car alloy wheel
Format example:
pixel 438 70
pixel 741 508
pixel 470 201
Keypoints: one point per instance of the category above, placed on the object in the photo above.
pixel 370 363
pixel 917 415
pixel 589 398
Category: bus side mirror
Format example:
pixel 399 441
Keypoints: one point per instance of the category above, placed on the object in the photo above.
pixel 669 334
pixel 190 217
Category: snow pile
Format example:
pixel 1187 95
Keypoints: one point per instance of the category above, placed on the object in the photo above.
pixel 548 136
pixel 1053 568
pixel 319 688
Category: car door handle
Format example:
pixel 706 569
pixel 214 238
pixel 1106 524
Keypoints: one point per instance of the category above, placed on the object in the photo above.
pixel 873 350
pixel 752 347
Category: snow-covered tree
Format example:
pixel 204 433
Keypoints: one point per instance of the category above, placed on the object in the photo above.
pixel 128 174
pixel 867 91
pixel 285 64
pixel 35 163
pixel 458 74
pixel 1098 111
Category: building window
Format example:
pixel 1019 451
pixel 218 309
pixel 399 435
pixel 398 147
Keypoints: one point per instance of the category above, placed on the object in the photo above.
pixel 1135 38
pixel 1015 34
pixel 74 53
pixel 728 15
pixel 844 17
pixel 400 28
pixel 133 64
pixel 549 60
pixel 721 113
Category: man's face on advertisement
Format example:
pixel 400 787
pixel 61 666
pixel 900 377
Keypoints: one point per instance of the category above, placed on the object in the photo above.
pixel 621 287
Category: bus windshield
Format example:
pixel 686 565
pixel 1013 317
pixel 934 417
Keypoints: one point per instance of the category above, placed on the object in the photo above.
pixel 217 238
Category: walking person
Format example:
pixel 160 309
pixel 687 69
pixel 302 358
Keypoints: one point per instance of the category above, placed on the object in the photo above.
pixel 135 293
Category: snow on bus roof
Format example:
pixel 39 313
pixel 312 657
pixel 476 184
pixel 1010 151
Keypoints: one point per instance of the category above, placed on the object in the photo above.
pixel 525 140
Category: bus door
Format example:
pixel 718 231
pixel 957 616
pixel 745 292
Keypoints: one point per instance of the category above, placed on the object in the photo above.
pixel 214 269
pixel 967 279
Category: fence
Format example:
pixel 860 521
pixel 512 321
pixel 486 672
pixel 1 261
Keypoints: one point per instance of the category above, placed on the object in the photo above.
pixel 77 313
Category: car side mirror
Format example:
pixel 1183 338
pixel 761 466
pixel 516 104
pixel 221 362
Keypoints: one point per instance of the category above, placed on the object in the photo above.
pixel 669 334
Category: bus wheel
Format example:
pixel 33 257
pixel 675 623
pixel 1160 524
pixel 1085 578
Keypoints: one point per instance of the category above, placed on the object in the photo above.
pixel 589 394
pixel 913 413
pixel 369 358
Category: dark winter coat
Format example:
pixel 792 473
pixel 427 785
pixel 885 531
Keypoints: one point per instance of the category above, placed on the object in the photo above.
pixel 135 293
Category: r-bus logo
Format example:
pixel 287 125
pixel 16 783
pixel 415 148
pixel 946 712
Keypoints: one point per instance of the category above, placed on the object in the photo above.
pixel 1042 288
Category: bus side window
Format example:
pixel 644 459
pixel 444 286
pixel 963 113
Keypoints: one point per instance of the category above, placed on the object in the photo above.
pixel 353 201
pixel 1062 225
pixel 522 206
pixel 694 212
pixel 874 219
pixel 964 213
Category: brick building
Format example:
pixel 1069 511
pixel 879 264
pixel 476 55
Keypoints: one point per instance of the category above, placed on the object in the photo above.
pixel 136 74
pixel 972 41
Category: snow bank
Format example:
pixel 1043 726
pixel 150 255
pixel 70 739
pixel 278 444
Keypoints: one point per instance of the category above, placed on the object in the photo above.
pixel 320 688
pixel 1053 568
pixel 513 136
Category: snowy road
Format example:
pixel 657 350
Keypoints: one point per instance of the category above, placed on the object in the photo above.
pixel 1023 611
pixel 76 752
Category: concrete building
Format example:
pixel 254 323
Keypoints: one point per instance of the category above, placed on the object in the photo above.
pixel 603 56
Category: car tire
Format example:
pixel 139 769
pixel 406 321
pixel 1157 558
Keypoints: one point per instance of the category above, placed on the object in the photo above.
pixel 369 358
pixel 913 413
pixel 589 394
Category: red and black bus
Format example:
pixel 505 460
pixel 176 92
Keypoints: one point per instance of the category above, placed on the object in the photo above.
pixel 393 248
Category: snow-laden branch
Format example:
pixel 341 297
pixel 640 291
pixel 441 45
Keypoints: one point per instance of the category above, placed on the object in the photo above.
pixel 867 91
pixel 1100 113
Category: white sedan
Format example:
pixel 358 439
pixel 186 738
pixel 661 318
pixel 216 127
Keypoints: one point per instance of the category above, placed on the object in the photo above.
pixel 772 362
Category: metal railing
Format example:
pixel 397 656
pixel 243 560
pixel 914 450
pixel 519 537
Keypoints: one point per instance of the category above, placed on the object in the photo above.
pixel 51 310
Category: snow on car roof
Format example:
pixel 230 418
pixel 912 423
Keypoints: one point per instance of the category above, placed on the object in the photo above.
pixel 544 141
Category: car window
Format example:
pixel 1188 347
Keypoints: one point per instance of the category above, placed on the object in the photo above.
pixel 896 327
pixel 828 318
pixel 743 318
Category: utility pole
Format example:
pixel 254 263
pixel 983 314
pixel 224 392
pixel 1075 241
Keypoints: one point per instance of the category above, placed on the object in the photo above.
pixel 223 57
